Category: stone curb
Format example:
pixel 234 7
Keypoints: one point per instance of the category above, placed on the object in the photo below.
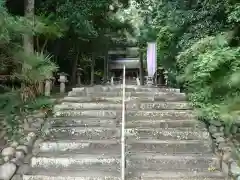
pixel 16 156
pixel 224 149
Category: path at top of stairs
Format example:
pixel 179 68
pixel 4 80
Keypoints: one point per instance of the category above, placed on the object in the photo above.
pixel 164 141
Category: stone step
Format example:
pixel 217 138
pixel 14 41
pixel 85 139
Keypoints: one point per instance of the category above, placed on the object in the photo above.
pixel 98 162
pixel 156 162
pixel 68 174
pixel 130 115
pixel 83 133
pixel 118 99
pixel 88 106
pixel 161 106
pixel 167 134
pixel 114 146
pixel 120 93
pixel 129 106
pixel 89 113
pixel 171 96
pixel 109 122
pixel 160 114
pixel 163 123
pixel 83 122
pixel 103 133
pixel 60 174
pixel 144 89
pixel 129 88
pixel 81 146
pixel 134 162
pixel 177 175
pixel 170 146
pixel 95 99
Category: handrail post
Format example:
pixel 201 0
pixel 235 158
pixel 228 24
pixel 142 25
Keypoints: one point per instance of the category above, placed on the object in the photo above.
pixel 123 127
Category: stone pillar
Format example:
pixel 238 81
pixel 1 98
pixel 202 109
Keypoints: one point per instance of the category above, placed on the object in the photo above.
pixel 62 79
pixel 47 87
pixel 112 81
pixel 79 73
pixel 138 81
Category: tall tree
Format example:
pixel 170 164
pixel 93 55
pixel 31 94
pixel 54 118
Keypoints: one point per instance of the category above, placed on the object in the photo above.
pixel 29 14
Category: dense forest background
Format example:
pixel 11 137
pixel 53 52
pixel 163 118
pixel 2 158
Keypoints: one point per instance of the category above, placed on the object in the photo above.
pixel 197 43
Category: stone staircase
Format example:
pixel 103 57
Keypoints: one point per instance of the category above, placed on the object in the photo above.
pixel 163 139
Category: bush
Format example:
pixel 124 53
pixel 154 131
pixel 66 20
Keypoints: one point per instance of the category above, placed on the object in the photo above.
pixel 210 73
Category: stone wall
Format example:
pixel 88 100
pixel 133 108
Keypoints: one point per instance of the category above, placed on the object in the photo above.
pixel 224 146
pixel 16 155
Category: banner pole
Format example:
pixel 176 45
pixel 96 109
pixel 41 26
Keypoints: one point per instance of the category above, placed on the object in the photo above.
pixel 123 127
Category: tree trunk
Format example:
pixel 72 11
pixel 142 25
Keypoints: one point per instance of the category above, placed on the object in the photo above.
pixel 28 39
pixel 74 68
pixel 92 69
pixel 28 42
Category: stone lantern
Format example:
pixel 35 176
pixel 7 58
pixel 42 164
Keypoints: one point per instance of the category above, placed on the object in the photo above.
pixel 62 79
pixel 149 81
pixel 166 77
pixel 79 73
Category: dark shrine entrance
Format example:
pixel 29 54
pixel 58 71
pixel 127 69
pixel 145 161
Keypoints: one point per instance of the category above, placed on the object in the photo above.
pixel 130 73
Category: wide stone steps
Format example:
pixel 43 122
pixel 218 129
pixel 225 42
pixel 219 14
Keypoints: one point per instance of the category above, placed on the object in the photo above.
pixel 132 146
pixel 118 99
pixel 128 88
pixel 120 93
pixel 111 122
pixel 98 133
pixel 58 174
pixel 118 106
pixel 163 139
pixel 130 115
pixel 134 162
pixel 171 96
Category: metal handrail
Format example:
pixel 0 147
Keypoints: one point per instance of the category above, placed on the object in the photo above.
pixel 123 126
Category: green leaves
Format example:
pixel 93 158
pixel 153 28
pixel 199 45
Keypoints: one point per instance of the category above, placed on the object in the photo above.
pixel 197 42
pixel 49 27
pixel 36 67
pixel 211 72
pixel 234 13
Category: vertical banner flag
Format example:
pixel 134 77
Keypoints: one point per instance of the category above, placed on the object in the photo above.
pixel 151 58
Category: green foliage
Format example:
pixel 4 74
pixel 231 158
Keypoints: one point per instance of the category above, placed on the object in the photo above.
pixel 49 26
pixel 198 44
pixel 43 103
pixel 30 69
pixel 210 72
pixel 15 111
pixel 234 13
pixel 36 67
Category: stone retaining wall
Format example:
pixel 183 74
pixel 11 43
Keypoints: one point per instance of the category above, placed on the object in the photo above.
pixel 224 148
pixel 15 156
